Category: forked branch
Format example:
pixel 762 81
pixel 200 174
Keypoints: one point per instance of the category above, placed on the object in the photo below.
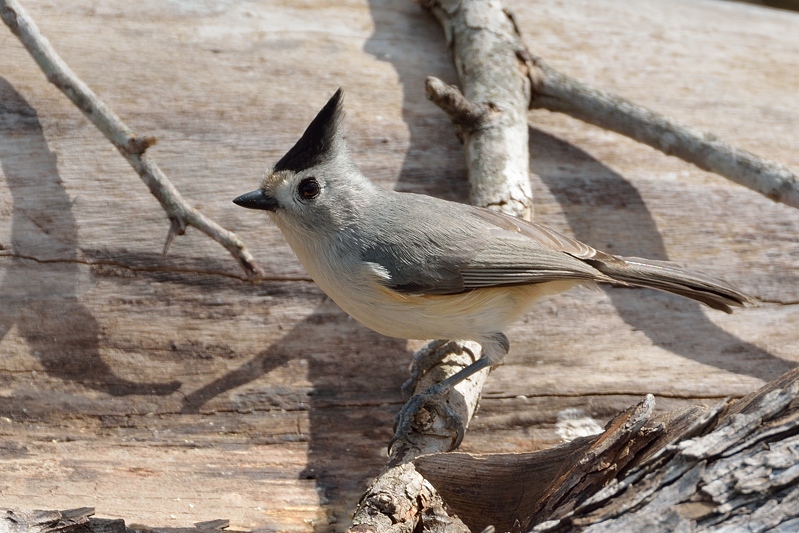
pixel 131 146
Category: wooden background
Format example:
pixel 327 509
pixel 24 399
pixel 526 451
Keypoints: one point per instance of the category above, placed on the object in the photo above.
pixel 167 391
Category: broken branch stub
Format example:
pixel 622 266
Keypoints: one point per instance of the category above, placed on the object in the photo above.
pixel 491 113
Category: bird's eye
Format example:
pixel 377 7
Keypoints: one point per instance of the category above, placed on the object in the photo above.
pixel 308 188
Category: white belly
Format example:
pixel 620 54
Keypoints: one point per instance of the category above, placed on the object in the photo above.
pixel 472 315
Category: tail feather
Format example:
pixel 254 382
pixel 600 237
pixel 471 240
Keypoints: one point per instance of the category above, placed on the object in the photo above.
pixel 672 278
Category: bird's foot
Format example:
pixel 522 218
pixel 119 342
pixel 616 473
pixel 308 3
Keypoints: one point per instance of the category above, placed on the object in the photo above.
pixel 419 415
pixel 424 359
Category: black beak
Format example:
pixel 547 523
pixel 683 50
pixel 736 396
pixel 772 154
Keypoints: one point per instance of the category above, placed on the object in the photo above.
pixel 256 200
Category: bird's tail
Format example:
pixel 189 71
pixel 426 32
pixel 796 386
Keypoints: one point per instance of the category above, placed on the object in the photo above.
pixel 670 277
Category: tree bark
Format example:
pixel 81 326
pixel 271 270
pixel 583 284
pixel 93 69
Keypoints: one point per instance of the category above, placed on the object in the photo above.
pixel 733 465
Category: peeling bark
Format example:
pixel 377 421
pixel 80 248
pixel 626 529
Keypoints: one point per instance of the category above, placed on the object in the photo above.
pixel 728 467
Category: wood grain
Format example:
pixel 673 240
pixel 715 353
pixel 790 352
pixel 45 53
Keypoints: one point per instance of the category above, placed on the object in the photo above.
pixel 167 391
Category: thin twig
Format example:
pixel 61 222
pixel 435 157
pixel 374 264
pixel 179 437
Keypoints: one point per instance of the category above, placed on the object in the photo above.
pixel 555 91
pixel 131 146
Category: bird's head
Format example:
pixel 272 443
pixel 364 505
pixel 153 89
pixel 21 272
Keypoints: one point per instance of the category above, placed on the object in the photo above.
pixel 315 187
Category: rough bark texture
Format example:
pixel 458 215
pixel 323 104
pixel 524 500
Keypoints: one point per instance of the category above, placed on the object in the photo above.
pixel 731 466
pixel 81 521
pixel 490 117
pixel 166 391
pixel 484 42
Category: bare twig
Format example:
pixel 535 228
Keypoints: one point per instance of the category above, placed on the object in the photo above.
pixel 557 92
pixel 131 146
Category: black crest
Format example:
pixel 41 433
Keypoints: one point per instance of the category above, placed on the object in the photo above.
pixel 315 144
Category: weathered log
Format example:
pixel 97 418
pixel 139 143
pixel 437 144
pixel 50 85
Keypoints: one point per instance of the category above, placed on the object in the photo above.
pixel 300 397
pixel 732 465
pixel 82 521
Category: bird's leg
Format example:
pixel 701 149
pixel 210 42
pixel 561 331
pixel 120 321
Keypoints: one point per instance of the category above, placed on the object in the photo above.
pixel 404 419
pixel 426 358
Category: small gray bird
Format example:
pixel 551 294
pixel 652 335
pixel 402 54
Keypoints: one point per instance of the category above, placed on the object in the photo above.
pixel 417 267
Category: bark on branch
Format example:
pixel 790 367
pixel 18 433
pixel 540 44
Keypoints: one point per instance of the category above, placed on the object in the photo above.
pixel 555 91
pixel 549 89
pixel 131 146
pixel 491 120
pixel 491 114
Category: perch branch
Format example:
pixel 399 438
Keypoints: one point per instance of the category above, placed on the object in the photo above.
pixel 131 146
pixel 557 92
pixel 490 117
pixel 400 499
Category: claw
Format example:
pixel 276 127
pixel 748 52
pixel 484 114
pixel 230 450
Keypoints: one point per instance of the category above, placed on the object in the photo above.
pixel 403 422
pixel 454 421
pixel 424 359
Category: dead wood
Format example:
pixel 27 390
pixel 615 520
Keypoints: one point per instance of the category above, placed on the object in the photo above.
pixel 491 57
pixel 112 314
pixel 491 114
pixel 82 521
pixel 36 521
pixel 558 92
pixel 695 469
pixel 131 146
pixel 733 465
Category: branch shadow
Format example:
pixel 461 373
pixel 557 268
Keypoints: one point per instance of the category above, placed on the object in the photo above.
pixel 434 162
pixel 350 405
pixel 607 211
pixel 41 299
pixel 434 165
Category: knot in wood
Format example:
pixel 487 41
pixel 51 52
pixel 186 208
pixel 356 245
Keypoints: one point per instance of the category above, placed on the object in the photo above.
pixel 423 420
pixel 383 502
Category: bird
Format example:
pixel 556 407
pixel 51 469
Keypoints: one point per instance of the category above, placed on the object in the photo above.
pixel 413 266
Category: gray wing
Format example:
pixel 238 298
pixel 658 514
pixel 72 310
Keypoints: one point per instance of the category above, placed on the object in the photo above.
pixel 481 248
